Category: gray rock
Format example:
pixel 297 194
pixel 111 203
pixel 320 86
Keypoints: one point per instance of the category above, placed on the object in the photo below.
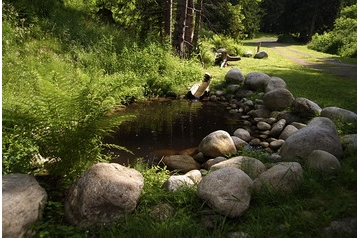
pixel 278 127
pixel 305 108
pixel 349 141
pixel 275 83
pixel 346 227
pixel 278 99
pixel 298 125
pixel 183 163
pixel 323 161
pixel 319 134
pixel 234 76
pixel 242 134
pixel 257 81
pixel 261 55
pixel 194 175
pixel 239 143
pixel 263 126
pixel 251 166
pixel 175 182
pixel 242 93
pixel 287 132
pixel 104 192
pixel 260 112
pixel 339 114
pixel 211 162
pixel 217 143
pixel 248 54
pixel 232 88
pixel 227 190
pixel 276 144
pixel 23 201
pixel 289 117
pixel 284 176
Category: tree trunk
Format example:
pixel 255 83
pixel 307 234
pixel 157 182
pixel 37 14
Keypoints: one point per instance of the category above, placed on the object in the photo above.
pixel 197 25
pixel 168 5
pixel 189 27
pixel 179 31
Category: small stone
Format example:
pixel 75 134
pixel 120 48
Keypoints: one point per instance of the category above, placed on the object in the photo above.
pixel 255 142
pixel 276 144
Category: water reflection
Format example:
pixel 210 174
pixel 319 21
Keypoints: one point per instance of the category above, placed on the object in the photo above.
pixel 171 125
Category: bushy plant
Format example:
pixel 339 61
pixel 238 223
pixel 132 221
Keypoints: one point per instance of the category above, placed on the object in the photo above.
pixel 342 40
pixel 233 47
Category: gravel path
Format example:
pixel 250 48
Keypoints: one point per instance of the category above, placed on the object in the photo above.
pixel 326 64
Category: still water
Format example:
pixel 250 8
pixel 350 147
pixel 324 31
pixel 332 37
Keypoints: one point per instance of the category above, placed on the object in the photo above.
pixel 170 125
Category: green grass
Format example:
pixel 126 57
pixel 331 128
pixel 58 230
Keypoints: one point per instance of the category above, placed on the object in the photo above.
pixel 321 87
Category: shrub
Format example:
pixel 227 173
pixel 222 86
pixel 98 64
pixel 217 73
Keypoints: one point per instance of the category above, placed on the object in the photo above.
pixel 342 40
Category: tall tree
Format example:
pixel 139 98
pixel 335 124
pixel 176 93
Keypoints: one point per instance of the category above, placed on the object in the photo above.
pixel 197 23
pixel 168 10
pixel 179 29
pixel 189 27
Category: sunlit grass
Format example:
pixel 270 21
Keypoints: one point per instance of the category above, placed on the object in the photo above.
pixel 319 86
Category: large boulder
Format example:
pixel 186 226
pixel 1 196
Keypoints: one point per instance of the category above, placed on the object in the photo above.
pixel 278 99
pixel 23 201
pixel 183 163
pixel 251 166
pixel 216 144
pixel 324 162
pixel 275 83
pixel 284 176
pixel 104 192
pixel 257 81
pixel 227 190
pixel 234 76
pixel 339 114
pixel 305 108
pixel 319 134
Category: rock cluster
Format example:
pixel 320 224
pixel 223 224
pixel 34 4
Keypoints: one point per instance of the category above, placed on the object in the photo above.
pixel 295 132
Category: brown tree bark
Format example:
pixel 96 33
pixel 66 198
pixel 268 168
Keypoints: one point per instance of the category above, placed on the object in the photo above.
pixel 189 28
pixel 179 29
pixel 168 6
pixel 198 10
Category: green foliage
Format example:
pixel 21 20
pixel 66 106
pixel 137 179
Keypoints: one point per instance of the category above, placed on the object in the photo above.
pixel 342 40
pixel 62 81
pixel 237 19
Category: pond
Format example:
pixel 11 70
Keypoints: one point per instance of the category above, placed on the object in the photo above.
pixel 168 127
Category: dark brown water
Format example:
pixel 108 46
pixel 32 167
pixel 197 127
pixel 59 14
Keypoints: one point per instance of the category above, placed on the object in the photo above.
pixel 168 126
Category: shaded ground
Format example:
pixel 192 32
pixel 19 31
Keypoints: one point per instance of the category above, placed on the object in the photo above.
pixel 326 64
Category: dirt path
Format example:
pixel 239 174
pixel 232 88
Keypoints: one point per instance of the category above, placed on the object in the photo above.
pixel 326 64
